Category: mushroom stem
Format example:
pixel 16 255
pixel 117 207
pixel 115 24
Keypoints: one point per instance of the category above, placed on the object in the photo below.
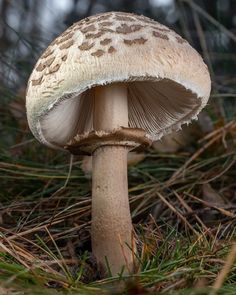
pixel 110 107
pixel 111 220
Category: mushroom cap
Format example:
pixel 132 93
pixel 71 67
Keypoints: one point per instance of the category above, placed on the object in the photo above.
pixel 168 82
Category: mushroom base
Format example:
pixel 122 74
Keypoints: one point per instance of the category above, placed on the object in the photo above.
pixel 112 242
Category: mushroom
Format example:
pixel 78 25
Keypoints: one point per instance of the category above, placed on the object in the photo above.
pixel 109 83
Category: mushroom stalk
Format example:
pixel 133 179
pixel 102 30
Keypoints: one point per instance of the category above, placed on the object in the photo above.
pixel 111 220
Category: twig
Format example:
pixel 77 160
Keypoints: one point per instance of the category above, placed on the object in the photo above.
pixel 190 210
pixel 231 124
pixel 219 174
pixel 195 156
pixel 217 134
pixel 177 213
pixel 207 204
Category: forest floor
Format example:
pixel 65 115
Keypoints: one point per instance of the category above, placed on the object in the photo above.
pixel 183 209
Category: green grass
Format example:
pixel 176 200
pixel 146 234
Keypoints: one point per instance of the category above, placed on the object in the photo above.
pixel 168 263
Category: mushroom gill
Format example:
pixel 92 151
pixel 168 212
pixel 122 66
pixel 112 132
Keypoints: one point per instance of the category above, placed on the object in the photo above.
pixel 155 106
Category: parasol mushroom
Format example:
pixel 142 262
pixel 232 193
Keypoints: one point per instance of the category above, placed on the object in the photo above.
pixel 110 83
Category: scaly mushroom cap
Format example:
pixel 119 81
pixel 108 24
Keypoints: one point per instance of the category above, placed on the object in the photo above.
pixel 168 82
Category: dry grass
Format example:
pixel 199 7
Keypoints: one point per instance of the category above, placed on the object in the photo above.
pixel 183 208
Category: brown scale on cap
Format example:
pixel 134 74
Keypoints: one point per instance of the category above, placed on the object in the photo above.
pixel 124 18
pixel 160 29
pixel 67 44
pixel 66 37
pixel 135 41
pixel 37 81
pixel 107 30
pixel 47 63
pixel 105 24
pixel 98 53
pixel 53 69
pixel 90 28
pixel 95 35
pixel 102 28
pixel 160 35
pixel 64 57
pixel 111 49
pixel 47 53
pixel 105 41
pixel 40 67
pixel 86 46
pixel 126 29
pixel 180 40
pixel 87 23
